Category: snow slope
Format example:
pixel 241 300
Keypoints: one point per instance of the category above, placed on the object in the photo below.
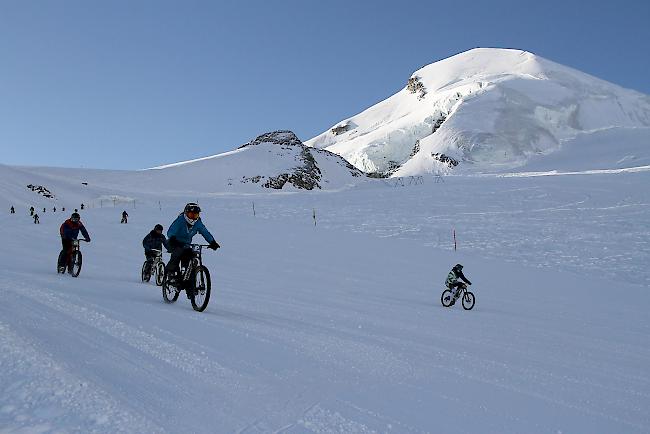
pixel 272 160
pixel 489 109
pixel 335 327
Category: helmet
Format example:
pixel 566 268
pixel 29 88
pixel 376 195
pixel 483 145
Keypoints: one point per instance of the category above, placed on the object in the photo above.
pixel 75 217
pixel 158 227
pixel 458 267
pixel 192 212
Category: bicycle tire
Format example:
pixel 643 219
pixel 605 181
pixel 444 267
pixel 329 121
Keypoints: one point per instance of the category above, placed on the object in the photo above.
pixel 169 293
pixel 446 293
pixel 61 270
pixel 468 300
pixel 202 287
pixel 75 263
pixel 160 273
pixel 145 275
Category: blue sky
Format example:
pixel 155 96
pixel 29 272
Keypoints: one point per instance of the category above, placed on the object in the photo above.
pixel 133 84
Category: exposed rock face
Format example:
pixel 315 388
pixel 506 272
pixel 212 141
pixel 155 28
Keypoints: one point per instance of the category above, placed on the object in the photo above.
pixel 282 137
pixel 414 85
pixel 445 159
pixel 41 190
pixel 340 129
pixel 306 175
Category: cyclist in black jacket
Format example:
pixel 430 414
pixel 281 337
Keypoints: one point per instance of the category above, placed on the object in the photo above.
pixel 453 282
pixel 154 241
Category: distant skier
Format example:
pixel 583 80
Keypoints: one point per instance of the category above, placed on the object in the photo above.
pixel 37 221
pixel 69 231
pixel 43 210
pixel 12 210
pixel 63 209
pixel 155 240
pixel 454 284
pixel 31 211
pixel 54 209
pixel 125 217
pixel 82 206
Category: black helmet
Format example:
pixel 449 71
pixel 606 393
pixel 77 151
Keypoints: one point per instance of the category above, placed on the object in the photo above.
pixel 158 227
pixel 458 267
pixel 75 217
pixel 191 213
pixel 192 207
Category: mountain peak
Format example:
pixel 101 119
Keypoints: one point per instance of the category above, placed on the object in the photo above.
pixel 482 108
pixel 280 137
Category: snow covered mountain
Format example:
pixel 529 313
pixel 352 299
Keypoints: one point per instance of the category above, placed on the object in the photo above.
pixel 488 109
pixel 274 160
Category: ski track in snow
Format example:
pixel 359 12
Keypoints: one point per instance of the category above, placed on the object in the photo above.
pixel 338 327
pixel 39 395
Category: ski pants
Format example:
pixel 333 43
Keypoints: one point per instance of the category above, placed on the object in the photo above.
pixel 66 245
pixel 179 253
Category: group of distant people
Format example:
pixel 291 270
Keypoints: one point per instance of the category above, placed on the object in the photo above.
pixel 35 216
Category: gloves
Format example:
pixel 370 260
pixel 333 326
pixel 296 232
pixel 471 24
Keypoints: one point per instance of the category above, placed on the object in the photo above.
pixel 214 245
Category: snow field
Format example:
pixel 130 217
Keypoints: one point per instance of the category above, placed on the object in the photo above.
pixel 339 327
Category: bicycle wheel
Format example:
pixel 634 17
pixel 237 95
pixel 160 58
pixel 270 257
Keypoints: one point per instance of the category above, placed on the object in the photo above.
pixel 468 300
pixel 75 263
pixel 169 292
pixel 160 273
pixel 61 260
pixel 446 293
pixel 146 275
pixel 202 286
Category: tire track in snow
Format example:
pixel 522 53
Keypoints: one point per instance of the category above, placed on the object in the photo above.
pixel 197 365
pixel 38 395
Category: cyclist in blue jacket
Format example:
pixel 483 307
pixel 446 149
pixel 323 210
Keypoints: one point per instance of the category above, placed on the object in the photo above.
pixel 180 235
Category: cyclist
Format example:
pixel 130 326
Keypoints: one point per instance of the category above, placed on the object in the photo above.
pixel 154 241
pixel 69 231
pixel 454 284
pixel 180 234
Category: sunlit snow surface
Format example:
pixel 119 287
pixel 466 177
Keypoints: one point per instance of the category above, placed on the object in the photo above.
pixel 335 327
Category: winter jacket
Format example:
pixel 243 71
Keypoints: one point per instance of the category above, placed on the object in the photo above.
pixel 183 232
pixel 154 241
pixel 70 230
pixel 453 277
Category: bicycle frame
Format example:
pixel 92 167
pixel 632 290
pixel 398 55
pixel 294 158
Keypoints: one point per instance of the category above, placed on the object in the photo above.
pixel 196 261
pixel 157 258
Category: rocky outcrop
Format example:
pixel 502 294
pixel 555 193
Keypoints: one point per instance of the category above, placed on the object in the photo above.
pixel 281 137
pixel 445 159
pixel 41 190
pixel 340 129
pixel 306 175
pixel 414 85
